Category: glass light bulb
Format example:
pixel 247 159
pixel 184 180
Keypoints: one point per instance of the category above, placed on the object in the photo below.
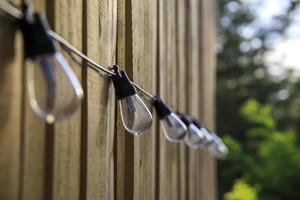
pixel 53 88
pixel 135 115
pixel 195 138
pixel 218 148
pixel 173 127
pixel 222 150
pixel 208 138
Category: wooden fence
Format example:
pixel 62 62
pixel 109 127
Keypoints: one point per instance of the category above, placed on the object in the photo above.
pixel 167 47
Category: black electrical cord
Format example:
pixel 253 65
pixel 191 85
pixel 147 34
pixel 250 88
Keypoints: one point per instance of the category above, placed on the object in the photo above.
pixel 17 13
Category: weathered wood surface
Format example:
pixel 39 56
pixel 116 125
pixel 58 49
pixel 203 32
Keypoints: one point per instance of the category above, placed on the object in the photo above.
pixel 11 109
pixel 165 46
pixel 144 40
pixel 100 33
pixel 169 152
pixel 33 157
pixel 66 145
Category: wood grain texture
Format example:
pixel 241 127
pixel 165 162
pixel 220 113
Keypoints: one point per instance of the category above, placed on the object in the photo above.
pixel 207 78
pixel 124 149
pixel 162 189
pixel 144 39
pixel 196 189
pixel 66 164
pixel 182 86
pixel 169 152
pixel 201 163
pixel 167 47
pixel 171 91
pixel 33 143
pixel 101 41
pixel 10 106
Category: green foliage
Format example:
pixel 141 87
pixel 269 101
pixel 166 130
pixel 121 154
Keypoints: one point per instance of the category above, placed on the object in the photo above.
pixel 270 158
pixel 241 191
pixel 260 126
pixel 253 112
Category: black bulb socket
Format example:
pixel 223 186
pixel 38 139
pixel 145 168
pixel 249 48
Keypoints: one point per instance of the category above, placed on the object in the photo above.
pixel 187 120
pixel 161 108
pixel 197 123
pixel 122 84
pixel 37 42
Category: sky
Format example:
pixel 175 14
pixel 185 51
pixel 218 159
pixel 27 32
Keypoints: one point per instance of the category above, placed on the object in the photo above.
pixel 285 53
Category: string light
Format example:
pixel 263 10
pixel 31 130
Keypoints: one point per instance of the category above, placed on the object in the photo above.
pixel 173 127
pixel 50 80
pixel 199 137
pixel 208 139
pixel 194 138
pixel 213 142
pixel 135 115
pixel 53 88
pixel 218 148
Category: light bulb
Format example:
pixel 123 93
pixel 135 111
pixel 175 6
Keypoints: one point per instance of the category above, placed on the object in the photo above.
pixel 218 148
pixel 208 138
pixel 174 129
pixel 194 138
pixel 53 88
pixel 135 116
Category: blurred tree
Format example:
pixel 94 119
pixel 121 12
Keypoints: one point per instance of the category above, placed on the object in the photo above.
pixel 269 159
pixel 243 74
pixel 241 191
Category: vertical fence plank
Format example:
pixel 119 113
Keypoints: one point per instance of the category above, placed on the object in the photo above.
pixel 164 188
pixel 207 78
pixel 10 106
pixel 101 34
pixel 181 55
pixel 201 75
pixel 144 27
pixel 169 152
pixel 33 143
pixel 66 165
pixel 195 188
pixel 119 150
pixel 171 97
pixel 33 155
pixel 124 151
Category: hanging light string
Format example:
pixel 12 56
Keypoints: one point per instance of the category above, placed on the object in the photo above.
pixel 17 14
pixel 184 125
pixel 11 10
pixel 92 63
pixel 71 48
